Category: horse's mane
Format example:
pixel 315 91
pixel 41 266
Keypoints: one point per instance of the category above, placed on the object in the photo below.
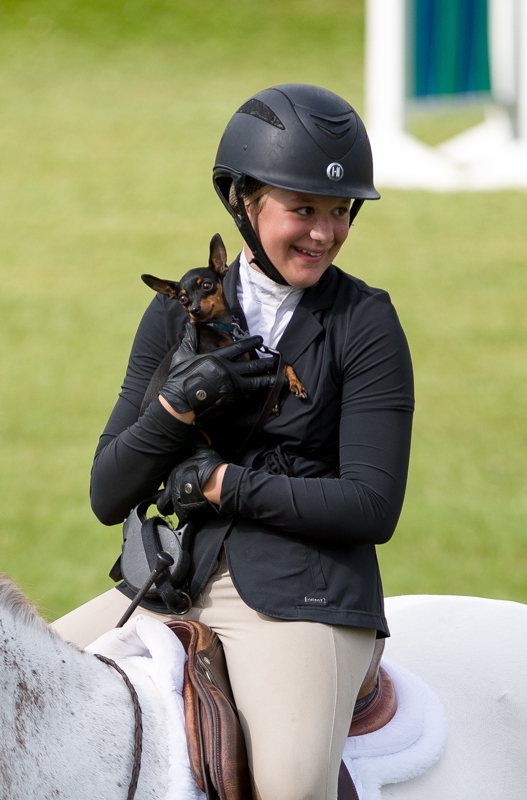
pixel 14 602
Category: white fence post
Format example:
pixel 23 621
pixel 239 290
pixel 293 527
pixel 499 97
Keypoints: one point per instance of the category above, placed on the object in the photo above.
pixel 522 70
pixel 385 65
pixel 492 155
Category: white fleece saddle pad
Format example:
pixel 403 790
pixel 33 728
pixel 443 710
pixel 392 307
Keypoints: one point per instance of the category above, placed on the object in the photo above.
pixel 410 743
pixel 404 748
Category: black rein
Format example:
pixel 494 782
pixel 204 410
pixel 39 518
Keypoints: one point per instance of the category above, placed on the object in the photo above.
pixel 138 733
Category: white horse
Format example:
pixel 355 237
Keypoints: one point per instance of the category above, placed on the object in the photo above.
pixel 67 723
pixel 67 719
pixel 472 652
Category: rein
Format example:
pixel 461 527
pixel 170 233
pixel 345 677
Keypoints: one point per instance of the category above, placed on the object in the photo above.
pixel 138 732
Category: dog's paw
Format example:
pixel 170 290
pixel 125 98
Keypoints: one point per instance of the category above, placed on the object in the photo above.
pixel 294 384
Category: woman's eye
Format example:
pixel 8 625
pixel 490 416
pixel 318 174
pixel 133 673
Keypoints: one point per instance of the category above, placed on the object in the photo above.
pixel 305 211
pixel 207 285
pixel 183 300
pixel 341 212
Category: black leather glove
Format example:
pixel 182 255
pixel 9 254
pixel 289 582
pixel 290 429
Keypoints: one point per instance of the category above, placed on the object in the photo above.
pixel 208 383
pixel 183 489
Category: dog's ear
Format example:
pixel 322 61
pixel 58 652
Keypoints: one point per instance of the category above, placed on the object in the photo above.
pixel 170 288
pixel 218 256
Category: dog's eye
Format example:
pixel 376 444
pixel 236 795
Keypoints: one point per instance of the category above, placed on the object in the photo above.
pixel 183 299
pixel 207 285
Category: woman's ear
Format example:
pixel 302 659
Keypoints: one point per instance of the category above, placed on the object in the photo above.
pixel 218 256
pixel 170 288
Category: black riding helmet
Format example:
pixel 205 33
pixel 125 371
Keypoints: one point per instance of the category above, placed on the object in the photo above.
pixel 296 137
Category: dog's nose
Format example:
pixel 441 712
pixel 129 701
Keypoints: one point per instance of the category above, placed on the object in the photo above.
pixel 195 311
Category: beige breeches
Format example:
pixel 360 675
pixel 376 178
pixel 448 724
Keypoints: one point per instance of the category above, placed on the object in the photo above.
pixel 295 683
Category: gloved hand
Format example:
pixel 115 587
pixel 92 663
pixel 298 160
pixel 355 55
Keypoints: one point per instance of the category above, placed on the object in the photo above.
pixel 183 492
pixel 208 383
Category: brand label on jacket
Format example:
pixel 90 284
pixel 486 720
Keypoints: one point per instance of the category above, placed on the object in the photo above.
pixel 317 601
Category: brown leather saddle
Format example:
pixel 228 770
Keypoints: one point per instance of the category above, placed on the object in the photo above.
pixel 215 741
pixel 376 702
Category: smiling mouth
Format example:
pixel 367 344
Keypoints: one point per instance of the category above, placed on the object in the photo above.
pixel 312 253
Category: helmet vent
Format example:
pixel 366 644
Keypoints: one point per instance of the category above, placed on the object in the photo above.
pixel 334 134
pixel 332 128
pixel 258 109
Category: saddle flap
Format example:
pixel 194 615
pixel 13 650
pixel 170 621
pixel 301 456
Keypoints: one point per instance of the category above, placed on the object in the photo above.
pixel 215 739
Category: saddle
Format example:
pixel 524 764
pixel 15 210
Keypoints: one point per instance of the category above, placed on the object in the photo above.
pixel 215 741
pixel 216 746
pixel 376 702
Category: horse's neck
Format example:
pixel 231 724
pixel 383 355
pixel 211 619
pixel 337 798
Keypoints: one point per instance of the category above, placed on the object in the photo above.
pixel 67 721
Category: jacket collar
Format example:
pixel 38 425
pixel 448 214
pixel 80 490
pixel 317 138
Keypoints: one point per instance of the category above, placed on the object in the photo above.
pixel 304 327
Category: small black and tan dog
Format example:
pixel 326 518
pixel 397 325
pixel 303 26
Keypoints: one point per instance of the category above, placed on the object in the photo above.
pixel 200 292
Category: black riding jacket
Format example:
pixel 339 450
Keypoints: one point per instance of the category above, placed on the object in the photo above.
pixel 299 547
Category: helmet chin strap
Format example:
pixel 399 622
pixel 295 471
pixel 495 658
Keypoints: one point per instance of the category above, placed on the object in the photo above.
pixel 354 210
pixel 260 257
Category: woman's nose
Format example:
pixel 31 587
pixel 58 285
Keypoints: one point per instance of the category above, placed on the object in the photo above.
pixel 322 229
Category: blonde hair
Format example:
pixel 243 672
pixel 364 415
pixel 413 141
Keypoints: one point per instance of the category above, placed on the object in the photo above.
pixel 253 190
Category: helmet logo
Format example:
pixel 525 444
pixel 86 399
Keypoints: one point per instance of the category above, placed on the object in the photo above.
pixel 335 171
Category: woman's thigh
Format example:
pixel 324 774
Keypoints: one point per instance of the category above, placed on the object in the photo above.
pixel 87 622
pixel 295 686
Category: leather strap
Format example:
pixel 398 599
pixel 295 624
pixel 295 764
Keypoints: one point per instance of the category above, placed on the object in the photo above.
pixel 152 545
pixel 346 787
pixel 270 403
pixel 354 210
pixel 210 791
pixel 138 720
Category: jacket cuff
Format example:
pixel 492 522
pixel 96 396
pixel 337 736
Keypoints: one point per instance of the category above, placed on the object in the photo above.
pixel 164 422
pixel 230 489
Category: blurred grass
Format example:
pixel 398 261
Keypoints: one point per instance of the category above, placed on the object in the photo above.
pixel 111 115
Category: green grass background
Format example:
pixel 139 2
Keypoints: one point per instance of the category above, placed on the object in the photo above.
pixel 111 114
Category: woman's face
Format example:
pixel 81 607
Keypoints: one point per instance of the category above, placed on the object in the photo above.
pixel 301 233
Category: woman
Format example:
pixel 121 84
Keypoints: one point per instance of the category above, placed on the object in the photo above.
pixel 286 572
